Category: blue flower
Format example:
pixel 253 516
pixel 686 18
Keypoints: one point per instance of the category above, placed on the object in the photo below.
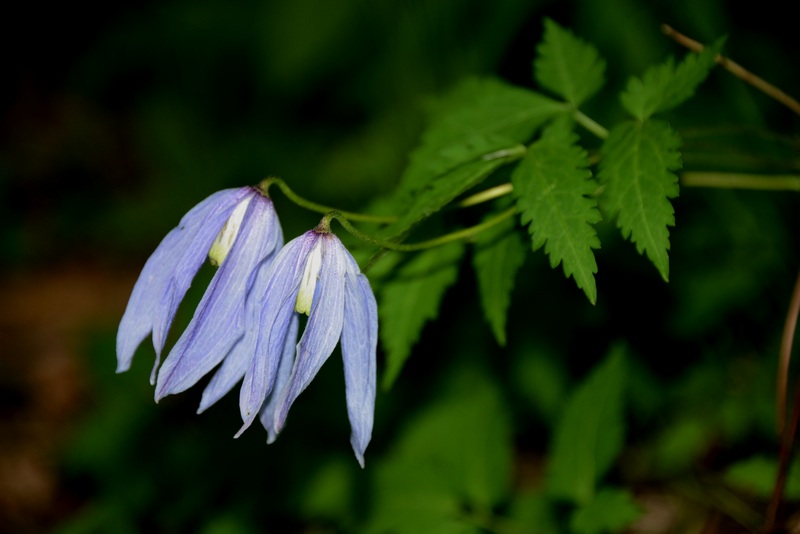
pixel 315 275
pixel 238 230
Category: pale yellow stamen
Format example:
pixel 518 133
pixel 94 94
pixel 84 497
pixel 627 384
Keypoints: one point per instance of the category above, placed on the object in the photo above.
pixel 309 282
pixel 226 237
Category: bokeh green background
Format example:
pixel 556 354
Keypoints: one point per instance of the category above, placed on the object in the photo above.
pixel 116 119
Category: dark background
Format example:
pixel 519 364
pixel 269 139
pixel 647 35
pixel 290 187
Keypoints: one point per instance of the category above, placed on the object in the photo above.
pixel 116 118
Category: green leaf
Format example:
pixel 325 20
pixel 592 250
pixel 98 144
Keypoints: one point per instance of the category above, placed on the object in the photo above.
pixel 668 85
pixel 499 254
pixel 757 476
pixel 539 377
pixel 590 433
pixel 452 456
pixel 408 498
pixel 447 187
pixel 411 299
pixel 567 65
pixel 478 117
pixel 552 185
pixel 534 513
pixel 610 511
pixel 638 171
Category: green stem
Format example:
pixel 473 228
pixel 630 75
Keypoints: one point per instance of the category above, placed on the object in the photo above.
pixel 320 208
pixel 466 233
pixel 487 195
pixel 785 182
pixel 590 124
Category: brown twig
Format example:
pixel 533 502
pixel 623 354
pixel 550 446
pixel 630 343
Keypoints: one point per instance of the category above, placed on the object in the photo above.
pixel 736 69
pixel 787 433
pixel 783 467
pixel 786 355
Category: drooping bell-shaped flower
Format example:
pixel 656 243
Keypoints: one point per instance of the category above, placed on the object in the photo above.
pixel 315 275
pixel 238 230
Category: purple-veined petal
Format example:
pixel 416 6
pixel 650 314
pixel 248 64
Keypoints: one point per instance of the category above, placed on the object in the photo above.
pixel 359 346
pixel 323 329
pixel 238 359
pixel 278 300
pixel 217 322
pixel 168 273
pixel 267 414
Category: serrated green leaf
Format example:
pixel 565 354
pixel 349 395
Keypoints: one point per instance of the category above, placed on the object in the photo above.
pixel 411 299
pixel 567 65
pixel 638 171
pixel 610 511
pixel 499 254
pixel 668 85
pixel 447 187
pixel 552 185
pixel 478 117
pixel 589 435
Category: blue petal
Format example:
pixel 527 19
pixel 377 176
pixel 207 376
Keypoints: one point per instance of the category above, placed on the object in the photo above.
pixel 278 300
pixel 217 322
pixel 359 346
pixel 267 414
pixel 168 273
pixel 238 359
pixel 324 326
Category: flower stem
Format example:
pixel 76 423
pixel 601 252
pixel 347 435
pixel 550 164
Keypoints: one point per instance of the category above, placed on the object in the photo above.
pixel 320 208
pixel 466 233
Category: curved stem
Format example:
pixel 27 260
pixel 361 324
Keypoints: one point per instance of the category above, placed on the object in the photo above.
pixel 786 354
pixel 787 433
pixel 320 208
pixel 466 233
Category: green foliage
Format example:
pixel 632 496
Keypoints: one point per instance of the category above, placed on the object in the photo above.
pixel 756 477
pixel 492 433
pixel 611 510
pixel 498 256
pixel 589 435
pixel 534 513
pixel 541 380
pixel 448 186
pixel 411 299
pixel 553 186
pixel 666 86
pixel 638 172
pixel 450 465
pixel 478 117
pixel 474 130
pixel 567 65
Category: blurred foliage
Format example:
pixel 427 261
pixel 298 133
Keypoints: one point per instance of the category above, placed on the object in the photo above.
pixel 117 119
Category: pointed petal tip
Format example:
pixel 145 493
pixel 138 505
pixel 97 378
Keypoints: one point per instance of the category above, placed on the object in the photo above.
pixel 245 426
pixel 161 392
pixel 359 451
